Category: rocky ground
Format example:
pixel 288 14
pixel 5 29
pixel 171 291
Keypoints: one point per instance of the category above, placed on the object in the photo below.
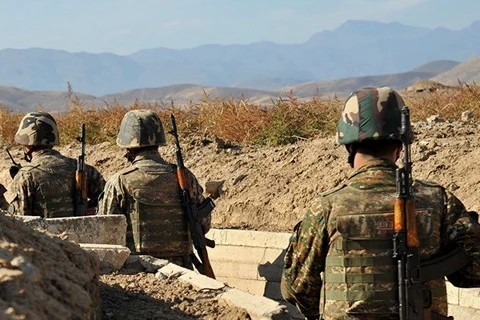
pixel 269 188
pixel 131 296
pixel 43 277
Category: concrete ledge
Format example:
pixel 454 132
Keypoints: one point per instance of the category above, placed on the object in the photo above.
pixel 453 294
pixel 258 307
pixel 112 257
pixel 278 240
pixel 463 313
pixel 109 229
pixel 469 298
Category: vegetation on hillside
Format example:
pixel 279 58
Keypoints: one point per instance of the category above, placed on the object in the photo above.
pixel 239 121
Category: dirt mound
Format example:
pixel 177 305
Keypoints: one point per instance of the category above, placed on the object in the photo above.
pixel 426 85
pixel 264 188
pixel 143 296
pixel 43 277
pixel 270 188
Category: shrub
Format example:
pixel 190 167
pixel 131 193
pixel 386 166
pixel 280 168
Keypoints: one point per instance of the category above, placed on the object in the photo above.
pixel 239 121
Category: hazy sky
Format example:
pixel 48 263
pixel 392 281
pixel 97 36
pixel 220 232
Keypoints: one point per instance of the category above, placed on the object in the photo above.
pixel 126 26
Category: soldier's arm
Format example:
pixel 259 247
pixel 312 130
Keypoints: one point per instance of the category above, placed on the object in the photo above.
pixel 112 199
pixel 21 195
pixel 461 229
pixel 304 262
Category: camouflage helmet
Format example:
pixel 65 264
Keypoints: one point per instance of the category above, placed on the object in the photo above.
pixel 37 129
pixel 370 114
pixel 140 128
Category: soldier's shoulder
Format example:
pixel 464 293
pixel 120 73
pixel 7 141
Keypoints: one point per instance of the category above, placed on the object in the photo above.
pixel 333 191
pixel 127 171
pixel 426 183
pixel 27 168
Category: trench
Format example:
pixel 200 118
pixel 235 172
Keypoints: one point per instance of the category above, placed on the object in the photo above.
pixel 251 261
pixel 247 260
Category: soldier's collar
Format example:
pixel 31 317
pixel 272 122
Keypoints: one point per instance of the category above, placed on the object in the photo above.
pixel 375 164
pixel 147 155
pixel 44 151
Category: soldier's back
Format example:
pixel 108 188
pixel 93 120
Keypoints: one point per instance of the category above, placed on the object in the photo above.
pixel 52 176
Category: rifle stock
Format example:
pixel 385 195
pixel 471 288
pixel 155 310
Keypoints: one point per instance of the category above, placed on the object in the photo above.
pixel 200 242
pixel 81 198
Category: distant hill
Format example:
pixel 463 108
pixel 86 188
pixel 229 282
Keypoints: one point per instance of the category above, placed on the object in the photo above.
pixel 466 72
pixel 343 87
pixel 184 93
pixel 354 49
pixel 24 100
pixel 436 67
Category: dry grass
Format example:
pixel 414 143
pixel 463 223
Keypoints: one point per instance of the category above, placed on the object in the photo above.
pixel 449 103
pixel 239 121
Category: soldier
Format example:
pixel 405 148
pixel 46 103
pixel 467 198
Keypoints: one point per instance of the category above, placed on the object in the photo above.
pixel 343 248
pixel 45 187
pixel 148 193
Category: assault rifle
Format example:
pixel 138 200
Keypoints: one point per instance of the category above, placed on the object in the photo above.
pixel 414 295
pixel 15 166
pixel 200 242
pixel 81 199
pixel 405 241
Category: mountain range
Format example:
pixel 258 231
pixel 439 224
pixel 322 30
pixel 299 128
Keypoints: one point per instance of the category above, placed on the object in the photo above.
pixel 354 49
pixel 448 71
pixel 357 53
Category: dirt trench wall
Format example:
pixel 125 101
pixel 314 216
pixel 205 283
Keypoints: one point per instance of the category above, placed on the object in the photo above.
pixel 43 277
pixel 253 261
pixel 104 236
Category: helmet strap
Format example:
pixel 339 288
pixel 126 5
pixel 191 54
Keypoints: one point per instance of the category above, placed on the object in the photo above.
pixel 352 151
pixel 130 155
pixel 27 156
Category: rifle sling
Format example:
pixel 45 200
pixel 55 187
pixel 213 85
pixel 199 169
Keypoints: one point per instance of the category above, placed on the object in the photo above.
pixel 444 265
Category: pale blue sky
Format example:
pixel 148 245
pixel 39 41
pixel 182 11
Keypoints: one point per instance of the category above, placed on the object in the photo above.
pixel 126 26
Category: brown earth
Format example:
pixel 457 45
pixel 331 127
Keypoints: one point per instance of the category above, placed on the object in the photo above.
pixel 43 277
pixel 269 188
pixel 131 296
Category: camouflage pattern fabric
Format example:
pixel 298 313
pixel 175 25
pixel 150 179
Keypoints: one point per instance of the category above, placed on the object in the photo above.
pixel 37 129
pixel 339 260
pixel 148 193
pixel 140 128
pixel 46 186
pixel 370 114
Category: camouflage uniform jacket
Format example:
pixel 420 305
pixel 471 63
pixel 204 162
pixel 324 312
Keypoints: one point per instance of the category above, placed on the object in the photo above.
pixel 149 171
pixel 46 186
pixel 318 277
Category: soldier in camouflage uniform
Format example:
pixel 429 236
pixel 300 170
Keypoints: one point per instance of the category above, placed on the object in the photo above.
pixel 339 261
pixel 148 193
pixel 45 187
